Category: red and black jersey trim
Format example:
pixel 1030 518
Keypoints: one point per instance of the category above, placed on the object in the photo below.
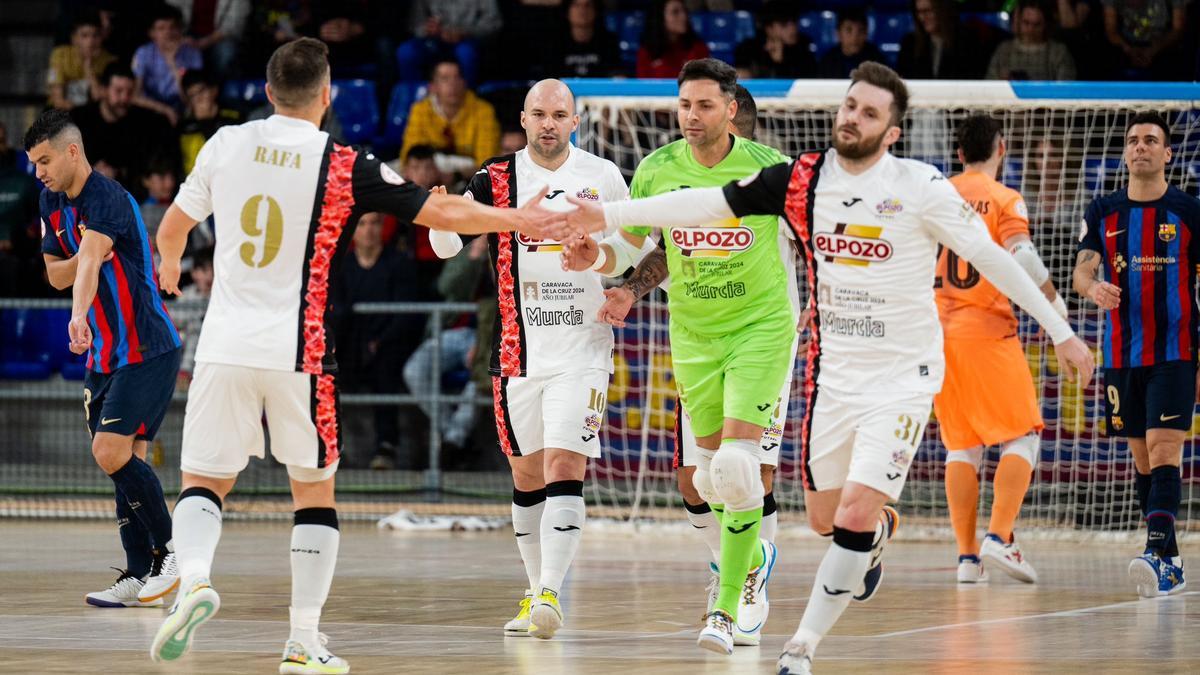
pixel 504 423
pixel 798 209
pixel 510 349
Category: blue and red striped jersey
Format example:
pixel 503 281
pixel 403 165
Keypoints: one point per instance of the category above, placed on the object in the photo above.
pixel 128 318
pixel 1150 250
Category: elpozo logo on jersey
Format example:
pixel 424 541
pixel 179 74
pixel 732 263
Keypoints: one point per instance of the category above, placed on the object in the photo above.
pixel 719 241
pixel 858 245
pixel 538 245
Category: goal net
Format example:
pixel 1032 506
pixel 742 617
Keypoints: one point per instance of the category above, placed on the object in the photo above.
pixel 1064 149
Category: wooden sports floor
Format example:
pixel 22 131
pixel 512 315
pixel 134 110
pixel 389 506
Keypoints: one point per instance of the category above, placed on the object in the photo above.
pixel 435 602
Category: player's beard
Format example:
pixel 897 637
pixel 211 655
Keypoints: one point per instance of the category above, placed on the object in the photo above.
pixel 549 154
pixel 859 149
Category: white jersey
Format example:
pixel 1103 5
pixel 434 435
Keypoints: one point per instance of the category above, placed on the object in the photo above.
pixel 285 199
pixel 871 252
pixel 546 318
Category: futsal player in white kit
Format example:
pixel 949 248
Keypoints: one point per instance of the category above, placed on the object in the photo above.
pixel 551 357
pixel 282 193
pixel 869 224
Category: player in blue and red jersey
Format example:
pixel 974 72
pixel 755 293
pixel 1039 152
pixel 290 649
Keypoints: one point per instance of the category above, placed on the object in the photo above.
pixel 93 238
pixel 1146 239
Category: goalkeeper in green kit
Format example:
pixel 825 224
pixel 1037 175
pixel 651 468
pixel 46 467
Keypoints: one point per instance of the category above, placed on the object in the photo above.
pixel 732 328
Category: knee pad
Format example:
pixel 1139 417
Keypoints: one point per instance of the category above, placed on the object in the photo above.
pixel 972 456
pixel 735 476
pixel 1025 447
pixel 702 481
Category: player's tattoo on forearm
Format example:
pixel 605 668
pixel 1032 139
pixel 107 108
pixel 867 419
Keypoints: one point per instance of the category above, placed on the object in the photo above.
pixel 650 272
pixel 1086 256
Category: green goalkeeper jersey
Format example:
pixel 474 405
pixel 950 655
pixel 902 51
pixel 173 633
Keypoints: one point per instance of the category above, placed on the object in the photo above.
pixel 727 274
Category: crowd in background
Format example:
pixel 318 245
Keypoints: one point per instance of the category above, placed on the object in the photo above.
pixel 143 81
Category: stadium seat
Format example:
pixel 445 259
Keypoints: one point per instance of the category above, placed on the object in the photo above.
pixel 403 96
pixel 1010 175
pixel 821 28
pixel 628 28
pixel 888 30
pixel 1100 175
pixel 244 93
pixel 719 30
pixel 355 105
pixel 25 354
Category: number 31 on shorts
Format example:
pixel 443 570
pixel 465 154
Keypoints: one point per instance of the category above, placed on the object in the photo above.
pixel 909 430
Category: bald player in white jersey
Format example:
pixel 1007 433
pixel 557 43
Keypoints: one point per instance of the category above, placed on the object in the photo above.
pixel 869 224
pixel 282 193
pixel 551 357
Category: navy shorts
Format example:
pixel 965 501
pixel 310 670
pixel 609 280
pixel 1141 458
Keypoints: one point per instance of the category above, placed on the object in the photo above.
pixel 1161 396
pixel 132 400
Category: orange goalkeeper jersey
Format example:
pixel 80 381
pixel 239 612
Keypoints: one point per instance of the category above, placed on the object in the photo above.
pixel 969 306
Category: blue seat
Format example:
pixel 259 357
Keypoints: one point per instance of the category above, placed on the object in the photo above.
pixel 26 346
pixel 628 28
pixel 356 108
pixel 888 30
pixel 1100 174
pixel 244 93
pixel 1010 175
pixel 821 28
pixel 404 95
pixel 719 30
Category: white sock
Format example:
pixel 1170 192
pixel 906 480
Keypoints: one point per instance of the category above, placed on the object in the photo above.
pixel 315 539
pixel 840 573
pixel 195 532
pixel 562 525
pixel 706 525
pixel 527 510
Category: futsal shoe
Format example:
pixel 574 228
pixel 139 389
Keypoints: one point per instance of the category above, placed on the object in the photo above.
pixel 874 575
pixel 1170 577
pixel 194 605
pixel 971 571
pixel 717 634
pixel 796 659
pixel 753 606
pixel 545 615
pixel 713 587
pixel 163 579
pixel 1007 557
pixel 299 659
pixel 123 593
pixel 518 626
pixel 1155 576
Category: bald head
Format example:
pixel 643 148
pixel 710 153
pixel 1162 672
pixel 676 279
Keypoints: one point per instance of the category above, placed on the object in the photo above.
pixel 549 119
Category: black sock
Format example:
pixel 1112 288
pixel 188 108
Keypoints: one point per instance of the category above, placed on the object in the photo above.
pixel 137 481
pixel 1161 508
pixel 1141 484
pixel 134 538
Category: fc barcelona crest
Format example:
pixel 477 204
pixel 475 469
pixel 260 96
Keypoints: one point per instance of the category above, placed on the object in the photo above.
pixel 1166 231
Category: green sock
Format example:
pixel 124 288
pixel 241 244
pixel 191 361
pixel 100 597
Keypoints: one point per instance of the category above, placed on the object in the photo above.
pixel 740 552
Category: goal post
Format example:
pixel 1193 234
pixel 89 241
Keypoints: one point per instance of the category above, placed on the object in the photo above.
pixel 1065 143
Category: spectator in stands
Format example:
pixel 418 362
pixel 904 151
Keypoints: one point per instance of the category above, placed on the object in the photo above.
pixel 343 25
pixel 160 64
pixel 369 352
pixel 1081 28
pixel 939 48
pixel 158 184
pixel 202 116
pixel 120 137
pixel 586 48
pixel 1147 32
pixel 216 28
pixel 447 28
pixel 779 50
pixel 189 312
pixel 512 140
pixel 1031 55
pixel 273 23
pixel 19 194
pixel 73 76
pixel 453 120
pixel 852 47
pixel 668 41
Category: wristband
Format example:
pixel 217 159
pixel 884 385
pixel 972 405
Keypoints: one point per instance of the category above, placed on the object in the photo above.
pixel 601 260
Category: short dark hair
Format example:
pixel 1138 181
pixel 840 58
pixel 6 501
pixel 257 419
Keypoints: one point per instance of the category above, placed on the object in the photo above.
pixel 439 61
pixel 778 11
pixel 115 69
pixel 165 12
pixel 1151 117
pixel 420 151
pixel 297 70
pixel 202 76
pixel 977 137
pixel 48 126
pixel 746 119
pixel 855 14
pixel 879 75
pixel 85 17
pixel 203 258
pixel 711 69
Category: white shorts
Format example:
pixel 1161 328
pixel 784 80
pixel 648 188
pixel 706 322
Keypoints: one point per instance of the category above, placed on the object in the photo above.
pixel 869 439
pixel 686 449
pixel 223 423
pixel 558 411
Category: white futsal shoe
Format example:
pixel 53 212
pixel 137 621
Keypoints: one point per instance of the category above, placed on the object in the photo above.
pixel 1007 557
pixel 545 615
pixel 194 605
pixel 123 593
pixel 163 579
pixel 796 659
pixel 302 659
pixel 713 587
pixel 971 570
pixel 518 626
pixel 717 634
pixel 753 605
